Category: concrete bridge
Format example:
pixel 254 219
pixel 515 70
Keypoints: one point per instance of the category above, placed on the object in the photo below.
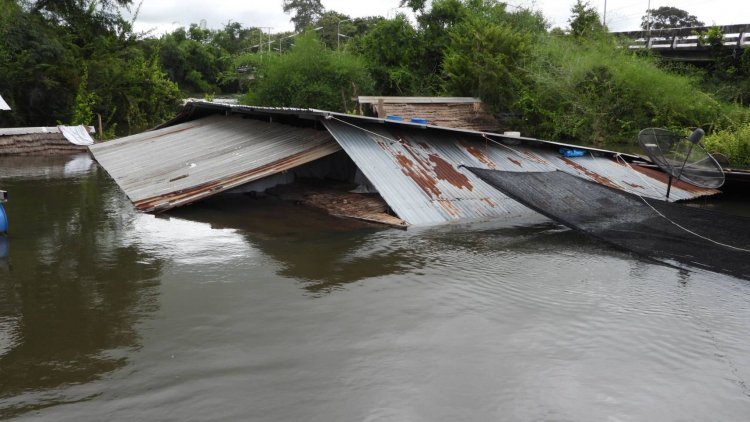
pixel 683 44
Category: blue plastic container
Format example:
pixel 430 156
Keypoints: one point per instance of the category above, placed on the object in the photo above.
pixel 419 120
pixel 3 220
pixel 572 152
pixel 394 118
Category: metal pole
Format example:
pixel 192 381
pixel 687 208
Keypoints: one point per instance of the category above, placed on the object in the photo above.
pixel 338 33
pixel 605 12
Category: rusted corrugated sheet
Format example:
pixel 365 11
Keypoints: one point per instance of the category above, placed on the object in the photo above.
pixel 419 172
pixel 180 164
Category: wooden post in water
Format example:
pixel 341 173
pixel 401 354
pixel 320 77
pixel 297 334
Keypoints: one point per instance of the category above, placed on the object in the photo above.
pixel 101 129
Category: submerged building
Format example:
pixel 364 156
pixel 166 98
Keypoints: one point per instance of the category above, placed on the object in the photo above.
pixel 397 173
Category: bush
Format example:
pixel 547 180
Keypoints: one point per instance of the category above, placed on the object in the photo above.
pixel 595 92
pixel 309 76
pixel 734 143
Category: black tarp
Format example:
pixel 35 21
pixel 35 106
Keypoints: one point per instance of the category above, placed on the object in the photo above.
pixel 654 229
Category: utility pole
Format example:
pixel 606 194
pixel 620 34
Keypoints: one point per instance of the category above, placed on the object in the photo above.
pixel 605 13
pixel 338 33
pixel 260 46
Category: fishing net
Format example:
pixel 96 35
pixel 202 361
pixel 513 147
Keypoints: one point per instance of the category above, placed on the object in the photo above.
pixel 661 231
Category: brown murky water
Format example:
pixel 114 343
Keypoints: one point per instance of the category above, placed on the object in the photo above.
pixel 239 309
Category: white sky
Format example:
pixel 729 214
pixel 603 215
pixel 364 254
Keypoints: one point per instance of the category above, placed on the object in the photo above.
pixel 622 15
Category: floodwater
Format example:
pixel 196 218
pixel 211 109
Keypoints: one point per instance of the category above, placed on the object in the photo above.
pixel 243 309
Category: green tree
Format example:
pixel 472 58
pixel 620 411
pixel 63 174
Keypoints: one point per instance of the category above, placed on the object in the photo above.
pixel 584 20
pixel 310 75
pixel 305 12
pixel 669 17
pixel 488 51
pixel 394 51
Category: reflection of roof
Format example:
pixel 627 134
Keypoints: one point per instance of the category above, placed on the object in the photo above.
pixel 417 169
pixel 3 104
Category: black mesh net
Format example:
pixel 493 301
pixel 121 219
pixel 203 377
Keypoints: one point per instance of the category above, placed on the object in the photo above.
pixel 647 227
pixel 681 158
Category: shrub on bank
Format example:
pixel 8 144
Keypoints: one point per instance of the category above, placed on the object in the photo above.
pixel 593 91
pixel 732 142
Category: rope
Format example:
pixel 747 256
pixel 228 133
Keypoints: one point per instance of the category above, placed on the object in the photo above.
pixel 592 156
pixel 363 129
pixel 674 222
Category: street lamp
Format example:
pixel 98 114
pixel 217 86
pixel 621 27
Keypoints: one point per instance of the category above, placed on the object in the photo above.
pixel 338 33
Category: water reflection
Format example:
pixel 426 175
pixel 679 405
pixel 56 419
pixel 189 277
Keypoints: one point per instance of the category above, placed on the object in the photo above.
pixel 4 252
pixel 75 289
pixel 324 252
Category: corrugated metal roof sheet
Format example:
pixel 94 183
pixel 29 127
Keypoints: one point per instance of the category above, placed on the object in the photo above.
pixel 180 164
pixel 418 100
pixel 419 172
pixel 3 104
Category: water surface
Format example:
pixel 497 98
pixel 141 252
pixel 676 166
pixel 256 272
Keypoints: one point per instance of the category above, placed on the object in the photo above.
pixel 245 309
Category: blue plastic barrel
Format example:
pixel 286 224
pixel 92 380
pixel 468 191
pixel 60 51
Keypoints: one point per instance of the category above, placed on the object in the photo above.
pixel 394 118
pixel 419 120
pixel 572 152
pixel 3 220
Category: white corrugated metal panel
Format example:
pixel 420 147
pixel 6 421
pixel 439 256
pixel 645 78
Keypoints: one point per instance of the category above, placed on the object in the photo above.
pixel 3 104
pixel 419 173
pixel 76 135
pixel 418 100
pixel 16 131
pixel 180 164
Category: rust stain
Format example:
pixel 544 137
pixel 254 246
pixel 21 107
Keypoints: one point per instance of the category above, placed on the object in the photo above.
pixel 535 158
pixel 445 171
pixel 479 155
pixel 664 178
pixel 424 181
pixel 516 162
pixel 601 179
pixel 449 207
pixel 489 202
pixel 633 185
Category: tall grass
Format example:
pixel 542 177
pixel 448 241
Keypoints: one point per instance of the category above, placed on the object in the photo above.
pixel 597 92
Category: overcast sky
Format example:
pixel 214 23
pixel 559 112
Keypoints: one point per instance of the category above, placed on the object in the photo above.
pixel 622 15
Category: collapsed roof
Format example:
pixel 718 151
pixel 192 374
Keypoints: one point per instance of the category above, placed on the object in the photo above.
pixel 417 169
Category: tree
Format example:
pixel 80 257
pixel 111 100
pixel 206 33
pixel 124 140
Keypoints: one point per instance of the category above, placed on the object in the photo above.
pixel 305 12
pixel 668 17
pixel 584 20
pixel 311 76
pixel 394 52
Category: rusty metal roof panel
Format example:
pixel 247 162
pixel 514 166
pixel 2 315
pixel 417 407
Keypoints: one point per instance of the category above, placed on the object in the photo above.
pixel 420 174
pixel 173 166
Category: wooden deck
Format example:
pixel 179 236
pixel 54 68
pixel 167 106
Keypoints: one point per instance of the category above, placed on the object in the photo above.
pixel 339 202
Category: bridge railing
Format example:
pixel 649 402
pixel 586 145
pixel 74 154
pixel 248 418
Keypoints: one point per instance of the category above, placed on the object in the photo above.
pixel 735 36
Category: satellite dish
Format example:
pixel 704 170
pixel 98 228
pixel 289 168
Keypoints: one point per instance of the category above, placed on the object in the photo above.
pixel 683 158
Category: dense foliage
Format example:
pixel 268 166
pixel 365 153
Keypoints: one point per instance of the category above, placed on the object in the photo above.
pixel 577 85
pixel 311 76
pixel 55 71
